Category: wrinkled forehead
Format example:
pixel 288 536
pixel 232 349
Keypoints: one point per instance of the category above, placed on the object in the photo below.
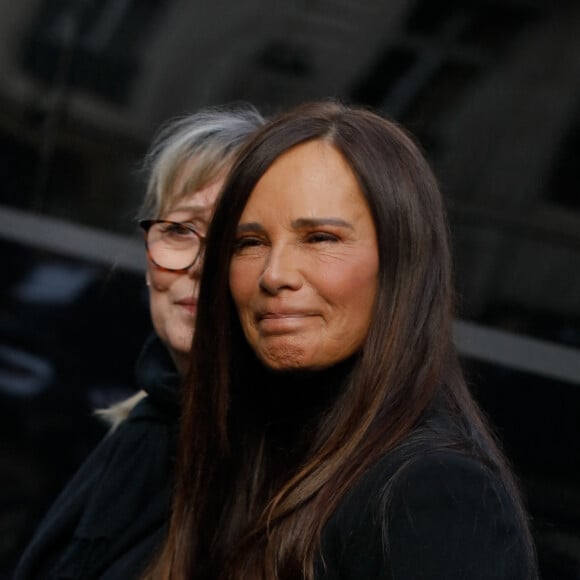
pixel 188 178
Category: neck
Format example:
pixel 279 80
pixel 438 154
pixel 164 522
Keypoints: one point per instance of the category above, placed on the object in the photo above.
pixel 181 361
pixel 294 397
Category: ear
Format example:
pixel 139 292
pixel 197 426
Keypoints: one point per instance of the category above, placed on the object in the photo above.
pixel 147 279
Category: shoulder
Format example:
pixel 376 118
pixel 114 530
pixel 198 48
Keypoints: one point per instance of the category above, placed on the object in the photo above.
pixel 460 489
pixel 393 489
pixel 439 515
pixel 115 501
pixel 453 516
pixel 444 473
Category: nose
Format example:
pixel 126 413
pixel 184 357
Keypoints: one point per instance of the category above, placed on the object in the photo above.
pixel 281 271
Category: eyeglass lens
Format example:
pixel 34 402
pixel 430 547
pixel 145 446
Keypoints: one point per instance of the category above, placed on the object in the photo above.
pixel 173 245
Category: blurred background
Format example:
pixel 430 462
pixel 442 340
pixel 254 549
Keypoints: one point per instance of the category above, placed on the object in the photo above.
pixel 490 88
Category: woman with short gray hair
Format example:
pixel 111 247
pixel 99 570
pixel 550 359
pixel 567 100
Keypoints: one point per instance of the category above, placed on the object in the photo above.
pixel 111 517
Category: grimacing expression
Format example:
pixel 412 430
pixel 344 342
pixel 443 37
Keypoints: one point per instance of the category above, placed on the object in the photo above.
pixel 173 295
pixel 304 269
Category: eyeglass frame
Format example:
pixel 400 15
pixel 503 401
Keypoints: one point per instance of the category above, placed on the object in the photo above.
pixel 147 224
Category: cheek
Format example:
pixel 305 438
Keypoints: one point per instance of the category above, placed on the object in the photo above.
pixel 243 288
pixel 160 283
pixel 351 281
pixel 242 282
pixel 353 290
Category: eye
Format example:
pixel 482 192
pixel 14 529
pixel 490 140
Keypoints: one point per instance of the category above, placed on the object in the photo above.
pixel 247 242
pixel 177 230
pixel 318 237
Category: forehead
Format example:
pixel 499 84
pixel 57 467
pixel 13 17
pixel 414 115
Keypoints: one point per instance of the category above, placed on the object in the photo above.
pixel 311 177
pixel 200 202
pixel 187 177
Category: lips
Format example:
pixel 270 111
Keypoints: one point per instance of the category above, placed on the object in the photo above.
pixel 282 322
pixel 189 304
pixel 281 315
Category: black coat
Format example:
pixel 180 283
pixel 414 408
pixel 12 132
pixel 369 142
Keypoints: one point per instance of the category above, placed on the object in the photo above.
pixel 112 516
pixel 448 517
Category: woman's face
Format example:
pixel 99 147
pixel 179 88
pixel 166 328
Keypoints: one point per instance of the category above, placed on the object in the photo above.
pixel 304 271
pixel 173 295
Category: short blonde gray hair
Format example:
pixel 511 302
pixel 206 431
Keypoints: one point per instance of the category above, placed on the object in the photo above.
pixel 203 145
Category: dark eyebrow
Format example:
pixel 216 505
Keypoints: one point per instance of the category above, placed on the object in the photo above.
pixel 249 227
pixel 298 223
pixel 313 222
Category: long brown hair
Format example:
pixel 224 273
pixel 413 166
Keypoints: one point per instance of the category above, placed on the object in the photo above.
pixel 239 510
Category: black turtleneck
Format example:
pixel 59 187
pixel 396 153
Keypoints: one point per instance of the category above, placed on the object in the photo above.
pixel 157 376
pixel 285 405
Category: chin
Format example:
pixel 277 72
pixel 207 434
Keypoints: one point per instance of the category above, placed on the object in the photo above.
pixel 180 344
pixel 287 359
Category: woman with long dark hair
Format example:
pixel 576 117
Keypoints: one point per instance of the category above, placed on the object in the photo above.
pixel 327 430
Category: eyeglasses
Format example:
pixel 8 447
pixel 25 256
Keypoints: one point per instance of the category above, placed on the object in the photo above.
pixel 172 246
